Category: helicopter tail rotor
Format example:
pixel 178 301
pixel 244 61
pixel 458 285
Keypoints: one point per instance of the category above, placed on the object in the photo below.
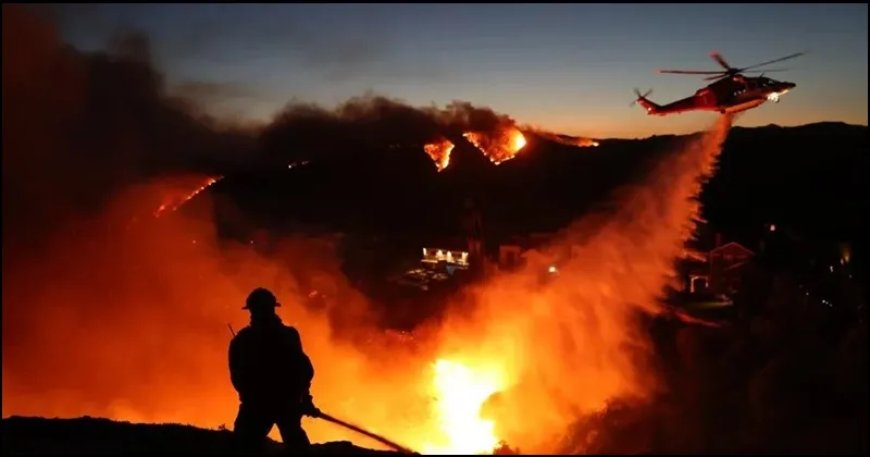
pixel 640 96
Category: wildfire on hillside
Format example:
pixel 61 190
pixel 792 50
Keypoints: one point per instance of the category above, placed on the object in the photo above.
pixel 439 151
pixel 499 146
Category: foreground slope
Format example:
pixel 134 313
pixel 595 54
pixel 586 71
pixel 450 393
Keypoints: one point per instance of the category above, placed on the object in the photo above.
pixel 96 436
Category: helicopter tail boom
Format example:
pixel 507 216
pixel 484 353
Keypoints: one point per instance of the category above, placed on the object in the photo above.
pixel 649 106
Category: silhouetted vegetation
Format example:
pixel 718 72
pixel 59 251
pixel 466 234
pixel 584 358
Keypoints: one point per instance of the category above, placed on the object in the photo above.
pixel 788 374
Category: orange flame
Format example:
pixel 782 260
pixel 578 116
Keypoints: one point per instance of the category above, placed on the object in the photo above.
pixel 500 146
pixel 460 393
pixel 440 153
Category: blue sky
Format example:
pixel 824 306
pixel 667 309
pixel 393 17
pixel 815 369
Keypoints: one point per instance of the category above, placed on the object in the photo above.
pixel 567 67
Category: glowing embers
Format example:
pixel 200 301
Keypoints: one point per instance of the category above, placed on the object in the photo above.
pixel 175 201
pixel 293 165
pixel 460 393
pixel 499 146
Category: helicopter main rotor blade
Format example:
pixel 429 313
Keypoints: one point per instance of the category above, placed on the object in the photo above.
pixel 692 72
pixel 718 58
pixel 768 71
pixel 792 56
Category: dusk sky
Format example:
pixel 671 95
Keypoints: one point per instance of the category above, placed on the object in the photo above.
pixel 570 68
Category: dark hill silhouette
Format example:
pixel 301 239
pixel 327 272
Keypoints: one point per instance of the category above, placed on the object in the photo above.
pixel 96 436
pixel 809 180
pixel 389 190
pixel 766 172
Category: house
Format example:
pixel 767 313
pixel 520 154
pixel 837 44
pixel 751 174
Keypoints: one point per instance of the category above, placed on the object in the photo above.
pixel 726 264
pixel 718 271
pixel 451 259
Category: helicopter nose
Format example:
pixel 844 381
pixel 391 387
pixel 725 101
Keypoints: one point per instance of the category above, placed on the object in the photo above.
pixel 788 85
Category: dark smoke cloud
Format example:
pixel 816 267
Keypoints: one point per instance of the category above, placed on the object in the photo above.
pixel 210 93
pixel 307 131
pixel 78 127
pixel 97 297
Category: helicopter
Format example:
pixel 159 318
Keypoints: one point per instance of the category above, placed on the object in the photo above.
pixel 731 92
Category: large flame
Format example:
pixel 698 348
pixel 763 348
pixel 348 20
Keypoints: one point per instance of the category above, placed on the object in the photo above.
pixel 439 151
pixel 518 141
pixel 499 146
pixel 460 395
pixel 523 357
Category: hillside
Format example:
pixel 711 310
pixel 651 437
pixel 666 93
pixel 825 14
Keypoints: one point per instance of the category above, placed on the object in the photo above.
pixel 807 178
pixel 397 189
pixel 94 436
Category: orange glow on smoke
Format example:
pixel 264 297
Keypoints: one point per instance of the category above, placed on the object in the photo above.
pixel 518 360
pixel 565 139
pixel 440 153
pixel 499 146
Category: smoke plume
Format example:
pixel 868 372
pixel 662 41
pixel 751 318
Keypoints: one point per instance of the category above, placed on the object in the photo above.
pixel 305 131
pixel 80 127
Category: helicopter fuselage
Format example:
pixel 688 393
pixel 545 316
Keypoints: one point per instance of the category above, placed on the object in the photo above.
pixel 728 95
pixel 741 93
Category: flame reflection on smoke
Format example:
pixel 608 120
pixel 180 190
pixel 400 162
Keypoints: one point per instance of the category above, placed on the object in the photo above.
pixel 565 139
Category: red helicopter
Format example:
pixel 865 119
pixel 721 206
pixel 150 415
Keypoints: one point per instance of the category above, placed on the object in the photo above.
pixel 732 92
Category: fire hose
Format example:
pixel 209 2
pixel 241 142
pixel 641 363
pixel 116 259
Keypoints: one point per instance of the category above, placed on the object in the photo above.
pixel 378 438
